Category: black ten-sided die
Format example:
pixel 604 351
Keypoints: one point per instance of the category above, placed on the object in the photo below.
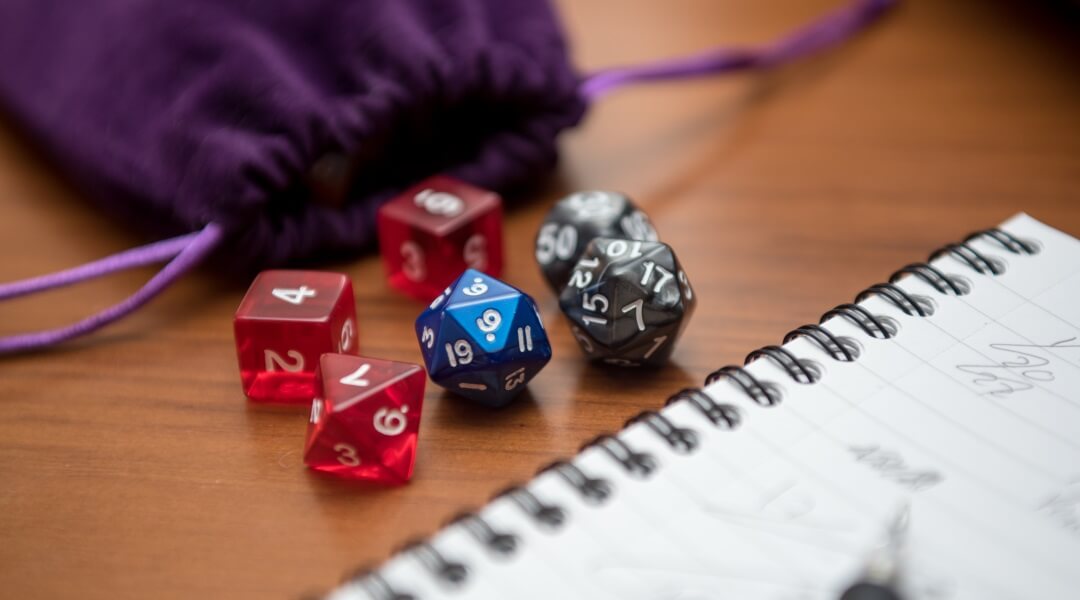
pixel 578 218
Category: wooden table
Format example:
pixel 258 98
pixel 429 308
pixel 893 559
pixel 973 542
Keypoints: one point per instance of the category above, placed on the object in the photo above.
pixel 131 466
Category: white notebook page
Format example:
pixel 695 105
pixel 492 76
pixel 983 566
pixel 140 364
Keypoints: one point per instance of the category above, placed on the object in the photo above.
pixel 970 417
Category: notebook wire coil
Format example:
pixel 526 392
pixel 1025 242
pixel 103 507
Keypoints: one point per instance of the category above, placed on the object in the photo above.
pixel 723 416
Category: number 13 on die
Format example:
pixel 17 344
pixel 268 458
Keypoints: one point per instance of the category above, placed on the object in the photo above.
pixel 482 339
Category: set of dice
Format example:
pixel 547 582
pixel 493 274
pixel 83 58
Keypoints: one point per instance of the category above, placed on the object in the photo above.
pixel 297 343
pixel 625 294
pixel 297 337
pixel 480 337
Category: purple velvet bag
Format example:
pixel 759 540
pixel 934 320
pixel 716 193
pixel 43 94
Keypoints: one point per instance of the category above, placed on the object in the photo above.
pixel 218 121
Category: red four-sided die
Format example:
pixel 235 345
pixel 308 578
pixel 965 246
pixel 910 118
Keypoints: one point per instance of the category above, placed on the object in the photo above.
pixel 365 418
pixel 437 229
pixel 284 323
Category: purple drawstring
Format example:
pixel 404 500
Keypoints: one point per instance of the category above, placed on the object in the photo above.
pixel 136 257
pixel 188 251
pixel 830 29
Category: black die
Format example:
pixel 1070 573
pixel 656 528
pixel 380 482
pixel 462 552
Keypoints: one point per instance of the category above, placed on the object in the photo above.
pixel 578 218
pixel 627 301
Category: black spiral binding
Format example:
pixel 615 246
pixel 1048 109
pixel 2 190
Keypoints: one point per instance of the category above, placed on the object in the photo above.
pixel 723 416
pixel 593 490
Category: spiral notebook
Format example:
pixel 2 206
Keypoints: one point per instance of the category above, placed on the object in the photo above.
pixel 953 389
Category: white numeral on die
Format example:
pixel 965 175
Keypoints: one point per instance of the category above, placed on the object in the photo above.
pixel 489 322
pixel 412 261
pixel 443 204
pixel 555 242
pixel 686 286
pixel 635 307
pixel 346 454
pixel 525 338
pixel 515 379
pixel 348 333
pixel 460 353
pixel 665 275
pixel 293 295
pixel 475 252
pixel 390 421
pixel 657 342
pixel 478 288
pixel 356 378
pixel 275 362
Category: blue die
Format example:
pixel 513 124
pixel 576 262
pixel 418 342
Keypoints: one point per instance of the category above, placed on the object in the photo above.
pixel 483 339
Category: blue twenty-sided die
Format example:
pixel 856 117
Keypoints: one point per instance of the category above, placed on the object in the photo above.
pixel 483 339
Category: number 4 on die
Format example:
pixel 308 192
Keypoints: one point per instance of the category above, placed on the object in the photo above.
pixel 365 418
pixel 286 320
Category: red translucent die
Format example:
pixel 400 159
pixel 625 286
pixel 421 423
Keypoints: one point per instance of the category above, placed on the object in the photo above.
pixel 285 322
pixel 365 418
pixel 435 230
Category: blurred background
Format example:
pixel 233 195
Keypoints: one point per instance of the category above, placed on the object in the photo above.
pixel 131 465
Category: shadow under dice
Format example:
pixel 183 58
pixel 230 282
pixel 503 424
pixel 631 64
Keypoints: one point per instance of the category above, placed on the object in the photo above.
pixel 576 220
pixel 284 323
pixel 483 339
pixel 365 418
pixel 627 301
pixel 437 229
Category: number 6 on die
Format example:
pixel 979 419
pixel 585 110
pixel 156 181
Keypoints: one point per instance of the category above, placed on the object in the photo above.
pixel 365 418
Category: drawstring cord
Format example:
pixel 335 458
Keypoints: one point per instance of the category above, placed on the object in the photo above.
pixel 828 30
pixel 186 252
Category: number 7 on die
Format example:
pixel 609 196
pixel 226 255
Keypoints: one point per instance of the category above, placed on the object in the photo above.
pixel 365 418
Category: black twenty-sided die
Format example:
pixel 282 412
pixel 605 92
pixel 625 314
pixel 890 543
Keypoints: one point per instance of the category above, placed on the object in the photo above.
pixel 627 301
pixel 578 218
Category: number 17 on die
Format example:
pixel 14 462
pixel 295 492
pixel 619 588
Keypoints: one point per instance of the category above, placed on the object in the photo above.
pixel 284 323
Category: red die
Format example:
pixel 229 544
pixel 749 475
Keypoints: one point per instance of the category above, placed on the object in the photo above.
pixel 285 322
pixel 435 230
pixel 365 418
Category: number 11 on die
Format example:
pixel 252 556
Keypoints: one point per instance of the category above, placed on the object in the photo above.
pixel 285 322
pixel 482 339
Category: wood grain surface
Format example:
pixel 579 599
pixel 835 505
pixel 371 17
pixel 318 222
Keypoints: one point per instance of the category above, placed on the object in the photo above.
pixel 131 466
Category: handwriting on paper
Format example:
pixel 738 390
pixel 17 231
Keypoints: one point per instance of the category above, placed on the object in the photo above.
pixel 890 465
pixel 1018 367
pixel 1064 508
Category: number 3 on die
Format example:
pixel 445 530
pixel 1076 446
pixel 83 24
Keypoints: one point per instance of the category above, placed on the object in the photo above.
pixel 365 418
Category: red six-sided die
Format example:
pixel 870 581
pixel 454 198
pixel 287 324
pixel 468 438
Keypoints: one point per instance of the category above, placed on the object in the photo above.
pixel 365 418
pixel 435 230
pixel 284 323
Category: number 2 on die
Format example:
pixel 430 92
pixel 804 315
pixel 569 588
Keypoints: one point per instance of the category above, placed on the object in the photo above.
pixel 285 322
pixel 365 418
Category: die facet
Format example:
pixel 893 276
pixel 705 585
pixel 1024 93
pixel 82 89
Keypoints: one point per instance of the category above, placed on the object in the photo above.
pixel 627 301
pixel 437 229
pixel 365 418
pixel 483 339
pixel 578 218
pixel 284 323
